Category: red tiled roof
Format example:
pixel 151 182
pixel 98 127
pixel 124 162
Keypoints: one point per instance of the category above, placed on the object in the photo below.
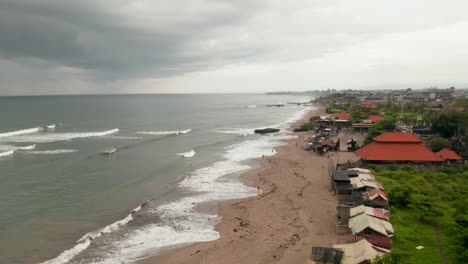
pixel 341 116
pixel 398 137
pixel 368 105
pixel 397 152
pixel 375 118
pixel 447 154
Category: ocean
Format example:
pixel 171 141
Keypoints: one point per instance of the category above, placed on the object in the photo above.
pixel 115 178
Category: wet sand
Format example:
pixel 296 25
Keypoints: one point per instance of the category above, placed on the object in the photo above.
pixel 294 211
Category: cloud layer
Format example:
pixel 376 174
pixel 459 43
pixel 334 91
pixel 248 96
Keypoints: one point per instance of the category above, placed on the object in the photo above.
pixel 112 46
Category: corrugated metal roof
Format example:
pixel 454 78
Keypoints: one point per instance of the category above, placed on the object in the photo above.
pixel 359 252
pixel 375 212
pixel 361 222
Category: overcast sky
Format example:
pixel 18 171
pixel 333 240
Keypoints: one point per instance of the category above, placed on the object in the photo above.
pixel 162 46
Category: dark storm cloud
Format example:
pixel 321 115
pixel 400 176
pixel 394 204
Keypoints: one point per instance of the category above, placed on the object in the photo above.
pixel 98 36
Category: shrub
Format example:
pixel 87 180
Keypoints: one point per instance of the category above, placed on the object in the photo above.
pixel 438 144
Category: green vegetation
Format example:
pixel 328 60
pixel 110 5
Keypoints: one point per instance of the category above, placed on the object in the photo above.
pixel 423 202
pixel 396 256
pixel 437 144
pixel 385 125
pixel 358 115
pixel 308 126
pixel 312 119
pixel 449 123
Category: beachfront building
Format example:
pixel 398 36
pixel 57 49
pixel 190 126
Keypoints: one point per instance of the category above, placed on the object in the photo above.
pixel 449 156
pixel 365 124
pixel 359 252
pixel 397 147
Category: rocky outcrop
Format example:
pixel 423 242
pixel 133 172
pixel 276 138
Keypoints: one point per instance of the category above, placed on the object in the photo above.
pixel 266 130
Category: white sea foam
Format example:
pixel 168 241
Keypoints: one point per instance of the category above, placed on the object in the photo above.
pixel 53 137
pixel 179 222
pixel 165 132
pixel 6 153
pixel 187 154
pixel 51 127
pixel 109 151
pixel 85 241
pixel 21 132
pixel 27 147
pixel 251 106
pixel 52 152
pixel 12 147
pixel 238 131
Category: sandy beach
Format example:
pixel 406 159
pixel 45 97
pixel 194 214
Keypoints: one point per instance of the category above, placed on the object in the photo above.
pixel 294 211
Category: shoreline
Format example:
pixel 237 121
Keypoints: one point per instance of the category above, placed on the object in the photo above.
pixel 294 211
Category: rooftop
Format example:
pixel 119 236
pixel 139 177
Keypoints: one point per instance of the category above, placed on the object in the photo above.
pixel 378 151
pixel 341 116
pixel 398 137
pixel 375 118
pixel 447 154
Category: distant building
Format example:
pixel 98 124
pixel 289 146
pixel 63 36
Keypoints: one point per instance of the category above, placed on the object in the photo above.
pixel 368 104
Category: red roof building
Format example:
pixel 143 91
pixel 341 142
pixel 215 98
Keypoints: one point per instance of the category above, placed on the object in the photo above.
pixel 374 118
pixel 340 116
pixel 368 105
pixel 398 137
pixel 447 154
pixel 397 146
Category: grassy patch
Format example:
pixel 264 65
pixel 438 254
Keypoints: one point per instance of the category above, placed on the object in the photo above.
pixel 410 233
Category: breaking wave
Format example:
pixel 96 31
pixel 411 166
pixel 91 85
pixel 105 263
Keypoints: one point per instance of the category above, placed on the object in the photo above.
pixel 6 153
pixel 109 151
pixel 165 132
pixel 85 241
pixel 54 137
pixel 238 131
pixel 21 132
pixel 52 152
pixel 188 154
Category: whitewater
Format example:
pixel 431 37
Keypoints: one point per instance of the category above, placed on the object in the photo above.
pixel 179 222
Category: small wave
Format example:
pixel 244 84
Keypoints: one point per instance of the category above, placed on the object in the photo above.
pixel 251 106
pixel 85 241
pixel 6 153
pixel 51 127
pixel 21 132
pixel 109 151
pixel 53 152
pixel 53 137
pixel 188 154
pixel 165 132
pixel 27 147
pixel 238 131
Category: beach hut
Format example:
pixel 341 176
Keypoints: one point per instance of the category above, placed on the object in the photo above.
pixel 365 180
pixel 359 252
pixel 367 210
pixel 380 241
pixel 324 255
pixel 366 224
